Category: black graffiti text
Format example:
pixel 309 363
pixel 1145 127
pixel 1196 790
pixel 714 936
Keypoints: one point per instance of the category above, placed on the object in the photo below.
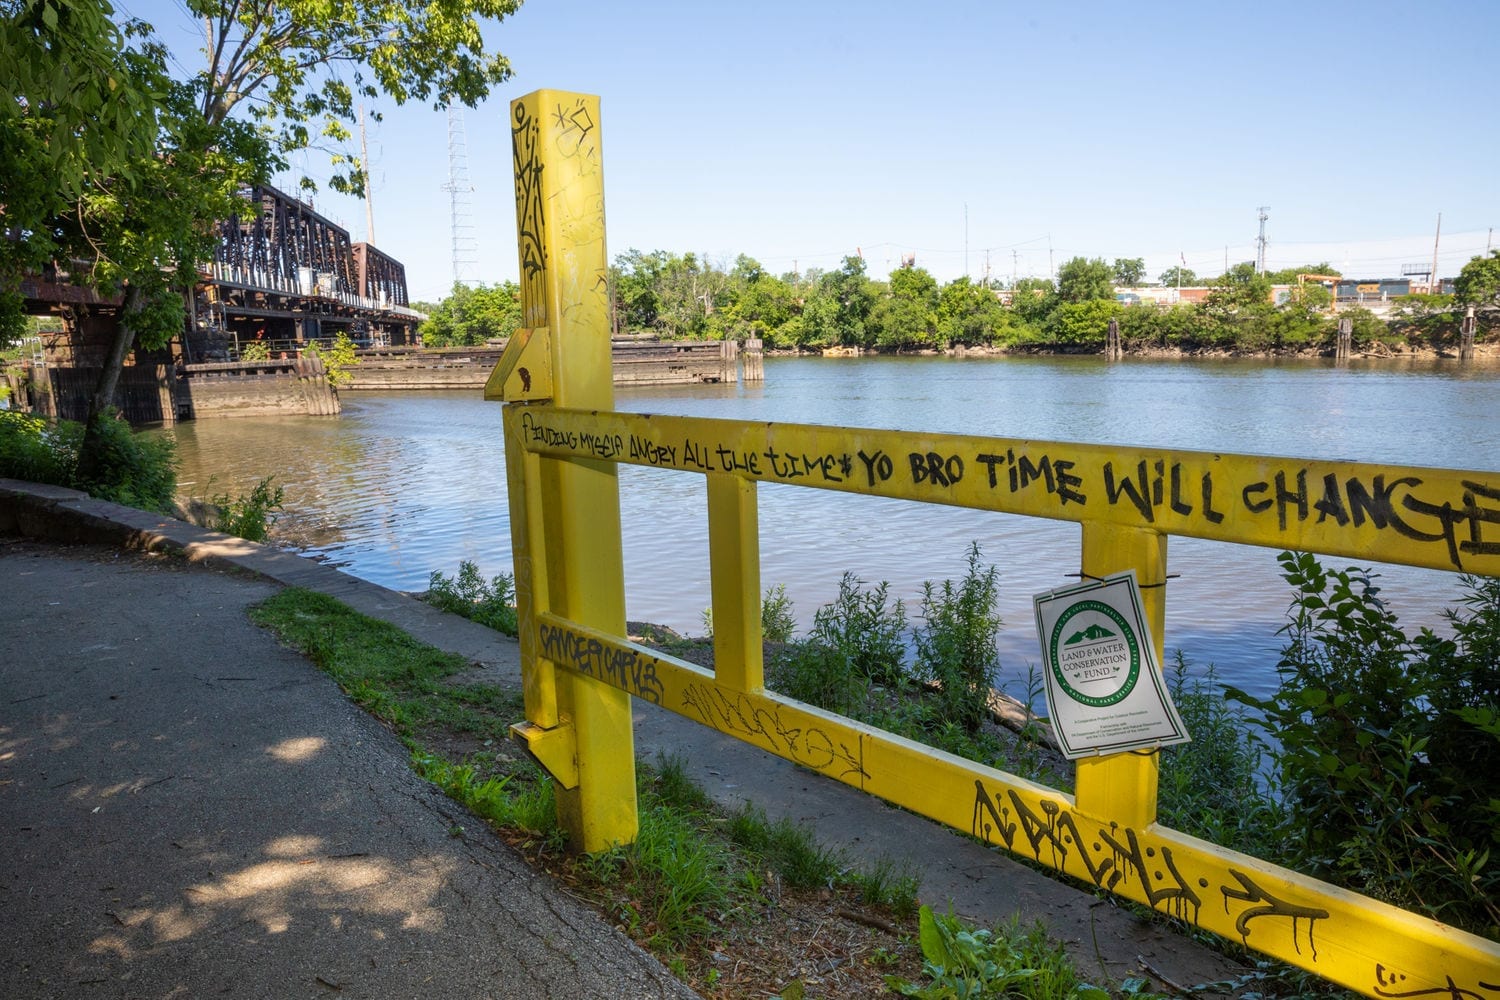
pixel 793 465
pixel 624 668
pixel 1154 484
pixel 939 470
pixel 1021 471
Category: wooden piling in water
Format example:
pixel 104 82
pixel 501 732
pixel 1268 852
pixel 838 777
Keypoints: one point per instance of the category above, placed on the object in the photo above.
pixel 1466 336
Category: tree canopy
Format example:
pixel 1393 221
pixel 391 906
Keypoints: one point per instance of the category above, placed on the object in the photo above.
pixel 1084 280
pixel 1478 284
pixel 473 314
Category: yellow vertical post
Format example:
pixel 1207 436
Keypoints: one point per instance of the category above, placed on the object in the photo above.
pixel 563 353
pixel 734 553
pixel 1121 788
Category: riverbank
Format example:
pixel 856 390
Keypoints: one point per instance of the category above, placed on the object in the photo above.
pixel 1484 352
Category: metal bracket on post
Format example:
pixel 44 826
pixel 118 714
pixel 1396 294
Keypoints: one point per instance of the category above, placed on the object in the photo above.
pixel 524 372
pixel 555 749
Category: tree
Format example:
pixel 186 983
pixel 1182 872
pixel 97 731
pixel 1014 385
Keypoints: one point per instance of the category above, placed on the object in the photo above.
pixel 471 315
pixel 136 211
pixel 837 311
pixel 1130 271
pixel 77 113
pixel 285 59
pixel 1177 276
pixel 143 216
pixel 1081 280
pixel 1478 284
pixel 970 314
pixel 1033 299
pixel 907 316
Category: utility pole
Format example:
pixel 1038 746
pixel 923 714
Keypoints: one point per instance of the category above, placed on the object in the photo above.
pixel 364 165
pixel 1435 237
pixel 966 239
pixel 1014 267
pixel 986 269
pixel 1260 254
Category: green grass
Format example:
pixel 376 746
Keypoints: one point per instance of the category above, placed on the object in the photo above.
pixel 692 868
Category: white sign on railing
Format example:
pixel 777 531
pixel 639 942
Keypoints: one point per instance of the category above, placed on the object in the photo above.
pixel 1105 691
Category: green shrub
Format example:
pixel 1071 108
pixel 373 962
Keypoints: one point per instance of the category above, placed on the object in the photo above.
pixel 137 470
pixel 1385 746
pixel 490 603
pixel 31 449
pixel 818 675
pixel 1011 961
pixel 1212 787
pixel 956 640
pixel 777 622
pixel 248 516
pixel 865 628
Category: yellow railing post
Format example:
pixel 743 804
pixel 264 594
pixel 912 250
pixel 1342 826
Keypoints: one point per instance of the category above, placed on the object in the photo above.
pixel 579 727
pixel 734 548
pixel 1122 787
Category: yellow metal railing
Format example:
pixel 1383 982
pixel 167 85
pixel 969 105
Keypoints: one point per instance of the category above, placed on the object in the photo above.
pixel 563 443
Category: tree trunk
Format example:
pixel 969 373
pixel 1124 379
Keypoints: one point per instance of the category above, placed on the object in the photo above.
pixel 89 458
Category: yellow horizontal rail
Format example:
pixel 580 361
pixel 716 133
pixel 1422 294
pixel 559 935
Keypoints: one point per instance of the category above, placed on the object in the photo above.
pixel 1436 518
pixel 1366 945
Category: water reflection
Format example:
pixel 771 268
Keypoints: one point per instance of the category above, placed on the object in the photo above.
pixel 404 484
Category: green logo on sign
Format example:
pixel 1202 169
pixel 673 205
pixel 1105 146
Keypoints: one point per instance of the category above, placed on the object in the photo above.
pixel 1099 661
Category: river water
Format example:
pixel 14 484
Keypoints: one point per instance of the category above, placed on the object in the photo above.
pixel 403 484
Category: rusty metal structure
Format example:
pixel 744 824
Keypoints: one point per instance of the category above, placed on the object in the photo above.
pixel 285 274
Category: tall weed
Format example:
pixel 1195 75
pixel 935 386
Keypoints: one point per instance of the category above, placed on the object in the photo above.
pixel 956 642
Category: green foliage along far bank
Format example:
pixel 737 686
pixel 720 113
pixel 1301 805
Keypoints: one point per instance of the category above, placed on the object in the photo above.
pixel 689 296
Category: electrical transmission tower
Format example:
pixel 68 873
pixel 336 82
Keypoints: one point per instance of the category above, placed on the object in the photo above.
pixel 1260 241
pixel 459 189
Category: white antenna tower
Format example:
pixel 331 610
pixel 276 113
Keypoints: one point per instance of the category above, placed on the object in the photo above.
pixel 459 189
pixel 1260 241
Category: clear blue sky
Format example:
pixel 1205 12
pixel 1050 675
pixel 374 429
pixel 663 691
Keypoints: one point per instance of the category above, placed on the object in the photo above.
pixel 1017 135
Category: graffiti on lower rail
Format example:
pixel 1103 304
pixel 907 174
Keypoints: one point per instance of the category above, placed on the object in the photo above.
pixel 769 725
pixel 1388 983
pixel 628 669
pixel 1113 856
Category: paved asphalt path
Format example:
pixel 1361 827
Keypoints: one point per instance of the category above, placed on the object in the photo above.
pixel 189 810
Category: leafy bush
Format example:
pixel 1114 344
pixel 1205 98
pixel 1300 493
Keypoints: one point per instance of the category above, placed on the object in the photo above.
pixel 490 603
pixel 956 640
pixel 777 622
pixel 137 470
pixel 248 516
pixel 1212 787
pixel 255 350
pixel 865 629
pixel 1011 961
pixel 31 449
pixel 818 675
pixel 1387 745
pixel 338 357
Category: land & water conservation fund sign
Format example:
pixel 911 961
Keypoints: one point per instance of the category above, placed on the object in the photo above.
pixel 1105 691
